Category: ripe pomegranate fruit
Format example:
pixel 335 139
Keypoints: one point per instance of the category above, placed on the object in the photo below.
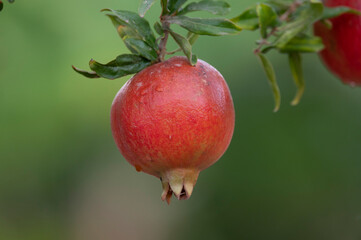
pixel 342 53
pixel 172 120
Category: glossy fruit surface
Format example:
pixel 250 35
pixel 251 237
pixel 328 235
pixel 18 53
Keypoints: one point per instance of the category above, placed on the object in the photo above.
pixel 172 120
pixel 342 53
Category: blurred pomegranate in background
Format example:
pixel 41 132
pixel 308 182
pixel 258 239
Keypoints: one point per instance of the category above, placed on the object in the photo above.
pixel 342 53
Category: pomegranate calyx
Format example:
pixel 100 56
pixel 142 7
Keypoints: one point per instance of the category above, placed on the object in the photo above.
pixel 180 182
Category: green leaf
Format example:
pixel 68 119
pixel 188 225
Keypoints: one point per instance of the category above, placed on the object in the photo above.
pixel 158 28
pixel 267 18
pixel 123 65
pixel 310 13
pixel 304 44
pixel 1 5
pixel 144 6
pixel 337 11
pixel 174 5
pixel 268 68
pixel 296 69
pixel 131 22
pixel 139 47
pixel 184 45
pixel 192 37
pixel 279 6
pixel 164 4
pixel 135 32
pixel 212 27
pixel 214 7
pixel 86 73
pixel 247 20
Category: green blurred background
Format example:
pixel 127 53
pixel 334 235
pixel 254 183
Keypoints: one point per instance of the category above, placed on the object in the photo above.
pixel 290 175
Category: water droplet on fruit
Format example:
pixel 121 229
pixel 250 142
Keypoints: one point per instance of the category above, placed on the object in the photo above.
pixel 138 168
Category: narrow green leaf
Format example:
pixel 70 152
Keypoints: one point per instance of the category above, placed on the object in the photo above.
pixel 267 18
pixel 337 11
pixel 212 27
pixel 214 7
pixel 131 22
pixel 1 5
pixel 86 73
pixel 184 45
pixel 144 6
pixel 194 59
pixel 139 47
pixel 279 6
pixel 304 44
pixel 164 4
pixel 158 28
pixel 247 20
pixel 174 5
pixel 192 37
pixel 123 65
pixel 310 13
pixel 268 68
pixel 297 73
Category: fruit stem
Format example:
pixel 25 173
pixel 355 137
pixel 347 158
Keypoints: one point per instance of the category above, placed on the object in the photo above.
pixel 163 41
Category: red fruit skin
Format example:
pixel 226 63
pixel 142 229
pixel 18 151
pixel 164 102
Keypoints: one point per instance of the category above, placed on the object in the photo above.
pixel 172 116
pixel 342 53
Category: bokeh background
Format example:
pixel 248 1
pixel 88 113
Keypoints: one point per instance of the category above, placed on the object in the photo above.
pixel 290 175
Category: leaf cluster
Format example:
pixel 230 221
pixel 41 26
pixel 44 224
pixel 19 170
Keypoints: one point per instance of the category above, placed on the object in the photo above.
pixel 147 49
pixel 285 27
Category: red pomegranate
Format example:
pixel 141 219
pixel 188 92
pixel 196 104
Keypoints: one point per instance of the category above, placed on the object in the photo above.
pixel 172 120
pixel 342 53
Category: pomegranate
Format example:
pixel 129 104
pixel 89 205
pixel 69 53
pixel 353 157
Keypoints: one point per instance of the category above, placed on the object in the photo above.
pixel 342 53
pixel 172 120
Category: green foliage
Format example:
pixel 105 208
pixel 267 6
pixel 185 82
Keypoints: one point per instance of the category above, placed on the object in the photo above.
pixel 283 25
pixel 297 73
pixel 86 73
pixel 267 17
pixel 131 25
pixel 305 18
pixel 123 65
pixel 334 12
pixel 271 76
pixel 303 44
pixel 158 28
pixel 248 19
pixel 192 37
pixel 174 5
pixel 211 27
pixel 214 7
pixel 144 6
pixel 185 45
